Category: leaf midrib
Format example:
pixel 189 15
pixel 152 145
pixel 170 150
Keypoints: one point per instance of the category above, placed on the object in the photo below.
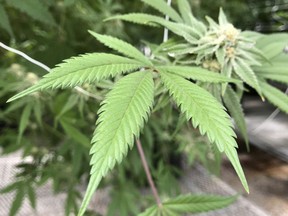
pixel 86 68
pixel 121 121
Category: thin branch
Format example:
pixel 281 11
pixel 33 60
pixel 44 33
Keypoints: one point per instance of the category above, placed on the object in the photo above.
pixel 45 67
pixel 148 174
pixel 165 36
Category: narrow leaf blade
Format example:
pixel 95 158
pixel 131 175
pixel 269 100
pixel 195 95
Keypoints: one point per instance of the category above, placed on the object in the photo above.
pixel 121 117
pixel 234 106
pixel 87 68
pixel 197 73
pixel 207 113
pixel 275 96
pixel 164 8
pixel 122 47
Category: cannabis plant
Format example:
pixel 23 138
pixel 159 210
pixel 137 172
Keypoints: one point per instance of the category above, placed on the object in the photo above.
pixel 199 68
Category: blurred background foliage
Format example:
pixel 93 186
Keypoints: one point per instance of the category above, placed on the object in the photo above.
pixel 54 129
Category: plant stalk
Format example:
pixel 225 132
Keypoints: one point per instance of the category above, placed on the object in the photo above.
pixel 148 173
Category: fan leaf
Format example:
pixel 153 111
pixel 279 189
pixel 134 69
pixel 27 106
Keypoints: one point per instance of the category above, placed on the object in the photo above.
pixel 121 117
pixel 185 11
pixel 87 68
pixel 275 96
pixel 197 73
pixel 184 204
pixel 234 106
pixel 164 8
pixel 122 47
pixel 197 203
pixel 145 19
pixel 245 72
pixel 207 113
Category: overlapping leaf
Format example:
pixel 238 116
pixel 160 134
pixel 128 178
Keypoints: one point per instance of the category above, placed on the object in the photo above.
pixel 122 47
pixel 145 19
pixel 121 117
pixel 87 68
pixel 234 106
pixel 207 113
pixel 245 72
pixel 275 96
pixel 163 7
pixel 197 73
pixel 189 204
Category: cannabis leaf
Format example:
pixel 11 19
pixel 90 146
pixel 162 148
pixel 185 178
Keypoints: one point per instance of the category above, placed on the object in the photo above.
pixel 122 47
pixel 207 113
pixel 244 71
pixel 189 204
pixel 197 73
pixel 164 8
pixel 233 104
pixel 180 29
pixel 121 117
pixel 275 96
pixel 87 68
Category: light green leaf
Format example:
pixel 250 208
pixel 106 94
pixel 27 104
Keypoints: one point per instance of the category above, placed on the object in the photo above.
pixel 283 78
pixel 145 19
pixel 202 108
pixel 138 18
pixel 220 55
pixel 122 47
pixel 87 68
pixel 197 203
pixel 227 72
pixel 121 117
pixel 207 113
pixel 35 9
pixel 152 211
pixel 196 73
pixel 234 106
pixel 4 21
pixel 164 8
pixel 275 71
pixel 222 19
pixel 185 11
pixel 185 204
pixel 275 96
pixel 274 48
pixel 245 72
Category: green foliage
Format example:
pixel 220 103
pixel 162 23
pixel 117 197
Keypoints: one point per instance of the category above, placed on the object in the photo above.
pixel 83 69
pixel 275 96
pixel 122 115
pixel 189 204
pixel 234 106
pixel 202 67
pixel 34 8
